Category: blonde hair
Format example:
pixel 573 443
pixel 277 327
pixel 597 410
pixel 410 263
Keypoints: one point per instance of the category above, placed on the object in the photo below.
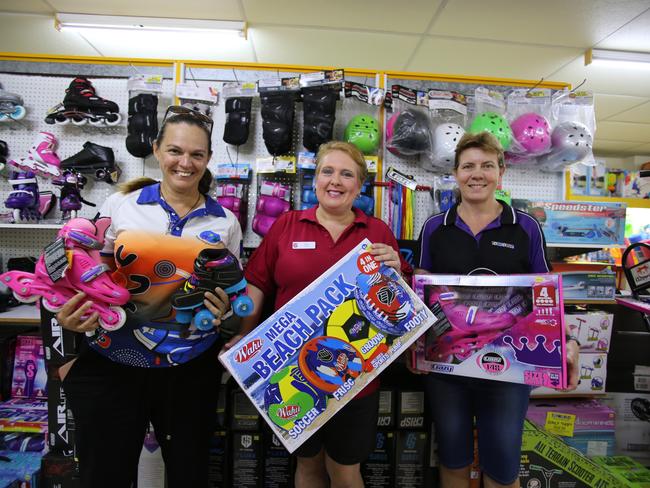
pixel 347 148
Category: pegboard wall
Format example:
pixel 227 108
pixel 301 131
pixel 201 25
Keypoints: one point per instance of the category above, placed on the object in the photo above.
pixel 42 85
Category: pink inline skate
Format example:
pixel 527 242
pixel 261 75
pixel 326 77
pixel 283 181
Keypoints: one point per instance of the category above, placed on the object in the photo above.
pixel 82 240
pixel 42 158
pixel 472 329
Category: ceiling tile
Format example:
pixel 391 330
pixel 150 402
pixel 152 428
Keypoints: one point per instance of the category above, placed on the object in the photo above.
pixel 27 6
pixel 623 131
pixel 577 23
pixel 316 47
pixel 43 38
pixel 635 36
pixel 640 115
pixel 488 58
pixel 611 105
pixel 605 80
pixel 185 9
pixel 383 15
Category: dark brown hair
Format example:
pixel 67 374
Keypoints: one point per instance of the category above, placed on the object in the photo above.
pixel 484 141
pixel 206 180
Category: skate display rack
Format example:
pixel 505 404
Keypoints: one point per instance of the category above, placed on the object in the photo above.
pixel 42 80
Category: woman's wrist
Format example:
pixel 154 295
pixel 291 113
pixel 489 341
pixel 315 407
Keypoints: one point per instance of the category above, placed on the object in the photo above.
pixel 571 337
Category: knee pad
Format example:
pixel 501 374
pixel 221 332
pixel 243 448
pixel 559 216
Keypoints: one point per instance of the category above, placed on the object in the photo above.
pixel 229 190
pixel 309 196
pixel 319 107
pixel 231 203
pixel 365 204
pixel 142 125
pixel 238 117
pixel 262 223
pixel 277 121
pixel 271 206
pixel 276 189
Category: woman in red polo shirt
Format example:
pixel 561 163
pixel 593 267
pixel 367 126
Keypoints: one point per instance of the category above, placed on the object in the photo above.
pixel 300 246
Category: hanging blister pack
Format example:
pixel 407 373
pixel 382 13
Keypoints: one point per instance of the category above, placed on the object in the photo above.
pixel 142 125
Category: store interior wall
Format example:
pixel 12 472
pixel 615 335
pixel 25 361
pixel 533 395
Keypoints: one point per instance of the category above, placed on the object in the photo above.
pixel 484 38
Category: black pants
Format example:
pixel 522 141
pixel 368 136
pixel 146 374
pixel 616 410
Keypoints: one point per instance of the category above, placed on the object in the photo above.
pixel 113 405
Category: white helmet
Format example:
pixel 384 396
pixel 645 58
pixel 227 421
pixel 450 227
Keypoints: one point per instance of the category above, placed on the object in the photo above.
pixel 445 139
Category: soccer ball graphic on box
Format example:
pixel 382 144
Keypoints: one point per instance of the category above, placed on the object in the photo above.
pixel 349 324
pixel 289 397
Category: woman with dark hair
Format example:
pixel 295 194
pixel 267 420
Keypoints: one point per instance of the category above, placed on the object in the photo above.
pixel 482 235
pixel 154 369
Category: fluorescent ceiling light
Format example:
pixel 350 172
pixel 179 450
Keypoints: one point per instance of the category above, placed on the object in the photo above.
pixel 617 58
pixel 66 21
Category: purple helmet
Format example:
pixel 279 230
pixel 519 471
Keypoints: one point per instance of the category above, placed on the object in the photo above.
pixel 533 133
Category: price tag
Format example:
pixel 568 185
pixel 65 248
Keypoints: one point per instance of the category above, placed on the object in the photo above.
pixel 560 423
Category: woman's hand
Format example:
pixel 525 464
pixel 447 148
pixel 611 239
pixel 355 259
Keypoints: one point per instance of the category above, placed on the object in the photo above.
pixel 218 304
pixel 573 364
pixel 385 254
pixel 70 315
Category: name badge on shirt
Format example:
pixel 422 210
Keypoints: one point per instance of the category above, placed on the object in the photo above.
pixel 303 245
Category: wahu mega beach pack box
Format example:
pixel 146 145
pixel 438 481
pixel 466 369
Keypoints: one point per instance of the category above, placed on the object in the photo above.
pixel 312 356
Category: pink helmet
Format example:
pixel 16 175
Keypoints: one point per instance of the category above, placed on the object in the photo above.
pixel 532 132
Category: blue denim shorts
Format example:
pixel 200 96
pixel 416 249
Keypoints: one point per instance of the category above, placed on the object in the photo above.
pixel 499 408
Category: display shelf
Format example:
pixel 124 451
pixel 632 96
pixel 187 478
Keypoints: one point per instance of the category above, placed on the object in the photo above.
pixel 586 246
pixel 22 314
pixel 31 226
pixel 589 302
pixel 630 202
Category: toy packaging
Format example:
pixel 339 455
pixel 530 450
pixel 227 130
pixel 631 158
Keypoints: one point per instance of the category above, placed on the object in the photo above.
pixel 506 328
pixel 30 377
pixel 570 223
pixel 584 424
pixel 317 352
pixel 584 286
pixel 547 461
pixel 593 330
pixel 23 415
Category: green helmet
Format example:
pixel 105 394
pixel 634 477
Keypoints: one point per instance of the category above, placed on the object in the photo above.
pixel 363 132
pixel 496 125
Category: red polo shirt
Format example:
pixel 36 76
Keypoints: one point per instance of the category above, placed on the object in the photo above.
pixel 281 269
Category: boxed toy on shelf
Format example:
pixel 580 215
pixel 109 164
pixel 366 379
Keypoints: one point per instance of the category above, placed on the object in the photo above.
pixel 584 424
pixel 578 223
pixel 506 328
pixel 312 356
pixel 585 286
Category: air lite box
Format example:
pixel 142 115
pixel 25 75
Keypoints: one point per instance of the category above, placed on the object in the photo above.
pixel 317 352
pixel 506 328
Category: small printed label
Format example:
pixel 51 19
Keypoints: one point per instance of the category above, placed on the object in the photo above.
pixel 56 260
pixel 503 244
pixel 560 423
pixel 303 245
